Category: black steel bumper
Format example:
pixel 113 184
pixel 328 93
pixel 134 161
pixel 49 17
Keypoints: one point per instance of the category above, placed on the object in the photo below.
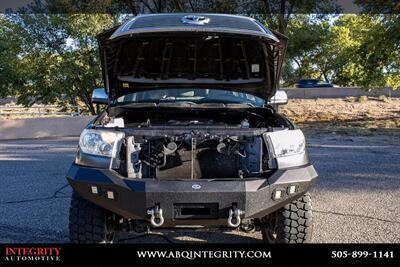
pixel 133 197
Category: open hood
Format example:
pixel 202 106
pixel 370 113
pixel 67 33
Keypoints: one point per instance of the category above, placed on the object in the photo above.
pixel 211 51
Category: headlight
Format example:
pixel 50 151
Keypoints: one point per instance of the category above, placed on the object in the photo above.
pixel 288 147
pixel 100 142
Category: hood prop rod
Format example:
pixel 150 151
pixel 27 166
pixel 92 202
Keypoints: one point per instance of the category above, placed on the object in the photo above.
pixel 192 173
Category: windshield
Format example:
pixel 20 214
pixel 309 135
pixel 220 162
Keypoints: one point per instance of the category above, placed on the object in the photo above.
pixel 197 96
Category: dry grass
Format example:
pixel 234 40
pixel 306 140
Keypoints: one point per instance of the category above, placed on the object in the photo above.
pixel 383 98
pixel 371 115
pixel 362 99
pixel 363 115
pixel 351 99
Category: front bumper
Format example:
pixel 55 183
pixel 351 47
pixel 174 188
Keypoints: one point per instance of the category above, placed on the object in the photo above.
pixel 131 198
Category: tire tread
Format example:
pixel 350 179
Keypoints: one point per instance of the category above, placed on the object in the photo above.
pixel 295 221
pixel 86 221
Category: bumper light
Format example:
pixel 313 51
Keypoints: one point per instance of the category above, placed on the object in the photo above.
pixel 94 190
pixel 278 194
pixel 110 195
pixel 292 189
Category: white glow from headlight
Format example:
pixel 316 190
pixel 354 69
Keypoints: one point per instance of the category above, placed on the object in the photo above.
pixel 287 143
pixel 100 142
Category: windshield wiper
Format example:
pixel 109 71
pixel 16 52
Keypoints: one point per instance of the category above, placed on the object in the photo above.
pixel 180 103
pixel 136 105
pixel 222 104
pixel 155 104
pixel 240 105
pixel 177 103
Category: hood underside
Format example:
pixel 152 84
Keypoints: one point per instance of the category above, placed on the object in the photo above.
pixel 190 56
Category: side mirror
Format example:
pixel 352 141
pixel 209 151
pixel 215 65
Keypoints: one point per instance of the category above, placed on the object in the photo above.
pixel 99 96
pixel 280 98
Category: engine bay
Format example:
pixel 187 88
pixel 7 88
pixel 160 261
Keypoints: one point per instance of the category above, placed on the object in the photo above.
pixel 174 144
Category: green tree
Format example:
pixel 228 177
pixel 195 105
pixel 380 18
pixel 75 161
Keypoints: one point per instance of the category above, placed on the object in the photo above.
pixel 10 63
pixel 350 50
pixel 381 46
pixel 57 56
pixel 53 57
pixel 306 57
pixel 370 50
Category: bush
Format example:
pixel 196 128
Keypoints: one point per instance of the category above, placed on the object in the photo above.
pixel 383 98
pixel 350 99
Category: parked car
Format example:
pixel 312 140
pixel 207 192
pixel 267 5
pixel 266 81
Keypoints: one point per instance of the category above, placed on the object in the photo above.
pixel 311 83
pixel 190 136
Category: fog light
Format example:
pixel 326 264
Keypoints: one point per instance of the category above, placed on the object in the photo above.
pixel 278 194
pixel 110 194
pixel 292 189
pixel 94 189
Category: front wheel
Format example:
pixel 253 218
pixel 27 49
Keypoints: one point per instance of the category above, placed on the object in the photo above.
pixel 290 224
pixel 89 223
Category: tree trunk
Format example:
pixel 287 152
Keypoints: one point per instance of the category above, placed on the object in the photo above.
pixel 90 105
pixel 325 77
pixel 85 96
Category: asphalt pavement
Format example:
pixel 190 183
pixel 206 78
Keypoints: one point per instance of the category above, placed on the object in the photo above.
pixel 355 199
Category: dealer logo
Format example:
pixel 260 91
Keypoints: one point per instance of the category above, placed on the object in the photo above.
pixel 32 254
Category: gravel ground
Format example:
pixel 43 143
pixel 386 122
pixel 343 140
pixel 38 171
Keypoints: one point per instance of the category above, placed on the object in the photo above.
pixel 355 199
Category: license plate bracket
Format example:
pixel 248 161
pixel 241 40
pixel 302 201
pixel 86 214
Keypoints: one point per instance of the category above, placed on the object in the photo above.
pixel 189 211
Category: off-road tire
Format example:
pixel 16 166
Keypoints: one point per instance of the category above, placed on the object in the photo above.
pixel 293 223
pixel 88 222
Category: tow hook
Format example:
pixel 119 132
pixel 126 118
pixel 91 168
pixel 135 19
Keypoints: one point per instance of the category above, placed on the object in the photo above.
pixel 156 218
pixel 234 219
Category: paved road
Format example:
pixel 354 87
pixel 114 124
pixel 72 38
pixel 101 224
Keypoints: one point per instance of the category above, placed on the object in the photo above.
pixel 356 198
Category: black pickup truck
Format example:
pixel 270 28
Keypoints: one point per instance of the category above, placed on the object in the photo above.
pixel 190 136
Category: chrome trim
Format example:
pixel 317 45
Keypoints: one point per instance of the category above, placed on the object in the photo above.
pixel 125 28
pixel 99 95
pixel 280 98
pixel 90 160
pixel 293 160
pixel 186 29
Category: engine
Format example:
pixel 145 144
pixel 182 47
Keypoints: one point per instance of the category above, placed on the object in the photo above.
pixel 194 157
pixel 203 146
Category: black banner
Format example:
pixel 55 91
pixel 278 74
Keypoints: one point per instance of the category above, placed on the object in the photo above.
pixel 200 255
